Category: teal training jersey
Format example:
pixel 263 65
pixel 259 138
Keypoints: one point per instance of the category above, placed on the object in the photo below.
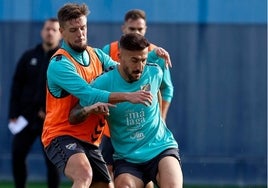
pixel 62 76
pixel 138 132
pixel 166 87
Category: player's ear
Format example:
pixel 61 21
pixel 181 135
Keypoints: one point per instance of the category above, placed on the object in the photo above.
pixel 61 29
pixel 119 55
pixel 123 28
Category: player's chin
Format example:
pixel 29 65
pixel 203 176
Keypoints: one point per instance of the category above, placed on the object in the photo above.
pixel 136 77
pixel 79 47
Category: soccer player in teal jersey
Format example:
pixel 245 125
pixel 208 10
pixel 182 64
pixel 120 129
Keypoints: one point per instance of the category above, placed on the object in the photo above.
pixel 135 22
pixel 145 149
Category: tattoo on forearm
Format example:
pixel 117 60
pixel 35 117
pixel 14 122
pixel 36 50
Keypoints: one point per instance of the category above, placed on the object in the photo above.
pixel 82 114
pixel 78 115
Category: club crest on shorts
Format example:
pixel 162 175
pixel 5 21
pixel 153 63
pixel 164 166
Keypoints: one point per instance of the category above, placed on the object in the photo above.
pixel 71 146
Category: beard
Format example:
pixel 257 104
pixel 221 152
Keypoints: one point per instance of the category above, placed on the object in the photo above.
pixel 79 48
pixel 132 76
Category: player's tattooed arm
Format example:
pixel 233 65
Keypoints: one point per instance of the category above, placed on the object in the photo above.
pixel 79 114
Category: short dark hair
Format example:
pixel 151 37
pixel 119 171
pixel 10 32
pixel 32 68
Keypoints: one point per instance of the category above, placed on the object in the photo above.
pixel 135 14
pixel 52 19
pixel 72 11
pixel 133 42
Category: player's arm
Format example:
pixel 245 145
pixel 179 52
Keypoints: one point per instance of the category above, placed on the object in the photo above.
pixel 138 97
pixel 165 108
pixel 79 114
pixel 159 96
pixel 166 87
pixel 18 82
pixel 167 91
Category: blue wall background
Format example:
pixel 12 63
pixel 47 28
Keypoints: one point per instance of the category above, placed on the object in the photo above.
pixel 219 54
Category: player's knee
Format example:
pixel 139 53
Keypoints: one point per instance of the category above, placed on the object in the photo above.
pixel 122 183
pixel 172 183
pixel 125 182
pixel 82 174
pixel 85 174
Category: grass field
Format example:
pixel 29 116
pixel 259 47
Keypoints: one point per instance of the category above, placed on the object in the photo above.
pixel 68 185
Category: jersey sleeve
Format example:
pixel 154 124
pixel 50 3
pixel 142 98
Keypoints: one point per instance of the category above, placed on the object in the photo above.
pixel 106 49
pixel 63 77
pixel 101 82
pixel 105 59
pixel 166 88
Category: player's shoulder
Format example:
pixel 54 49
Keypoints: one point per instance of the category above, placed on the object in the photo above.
pixel 149 63
pixel 153 67
pixel 108 71
pixel 114 43
pixel 59 58
pixel 152 46
pixel 111 46
pixel 110 68
pixel 59 62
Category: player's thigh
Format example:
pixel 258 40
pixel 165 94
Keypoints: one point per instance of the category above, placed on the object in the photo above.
pixel 78 166
pixel 128 180
pixel 169 172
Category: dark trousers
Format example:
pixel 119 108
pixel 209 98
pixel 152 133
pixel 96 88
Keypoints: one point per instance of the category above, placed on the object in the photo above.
pixel 21 146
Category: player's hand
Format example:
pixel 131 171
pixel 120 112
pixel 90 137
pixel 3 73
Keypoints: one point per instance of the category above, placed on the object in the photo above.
pixel 79 114
pixel 141 97
pixel 101 108
pixel 161 52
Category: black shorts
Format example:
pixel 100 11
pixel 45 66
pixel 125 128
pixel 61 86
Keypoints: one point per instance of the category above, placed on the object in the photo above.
pixel 107 150
pixel 146 171
pixel 63 147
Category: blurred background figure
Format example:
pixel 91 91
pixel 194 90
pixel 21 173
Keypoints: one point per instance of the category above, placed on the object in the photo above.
pixel 27 101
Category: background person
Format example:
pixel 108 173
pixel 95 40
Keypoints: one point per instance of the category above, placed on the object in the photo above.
pixel 27 99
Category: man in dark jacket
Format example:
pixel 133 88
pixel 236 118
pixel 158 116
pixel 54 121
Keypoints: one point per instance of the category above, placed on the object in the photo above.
pixel 27 100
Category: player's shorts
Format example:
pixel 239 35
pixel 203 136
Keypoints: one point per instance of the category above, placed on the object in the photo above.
pixel 145 171
pixel 107 150
pixel 63 147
